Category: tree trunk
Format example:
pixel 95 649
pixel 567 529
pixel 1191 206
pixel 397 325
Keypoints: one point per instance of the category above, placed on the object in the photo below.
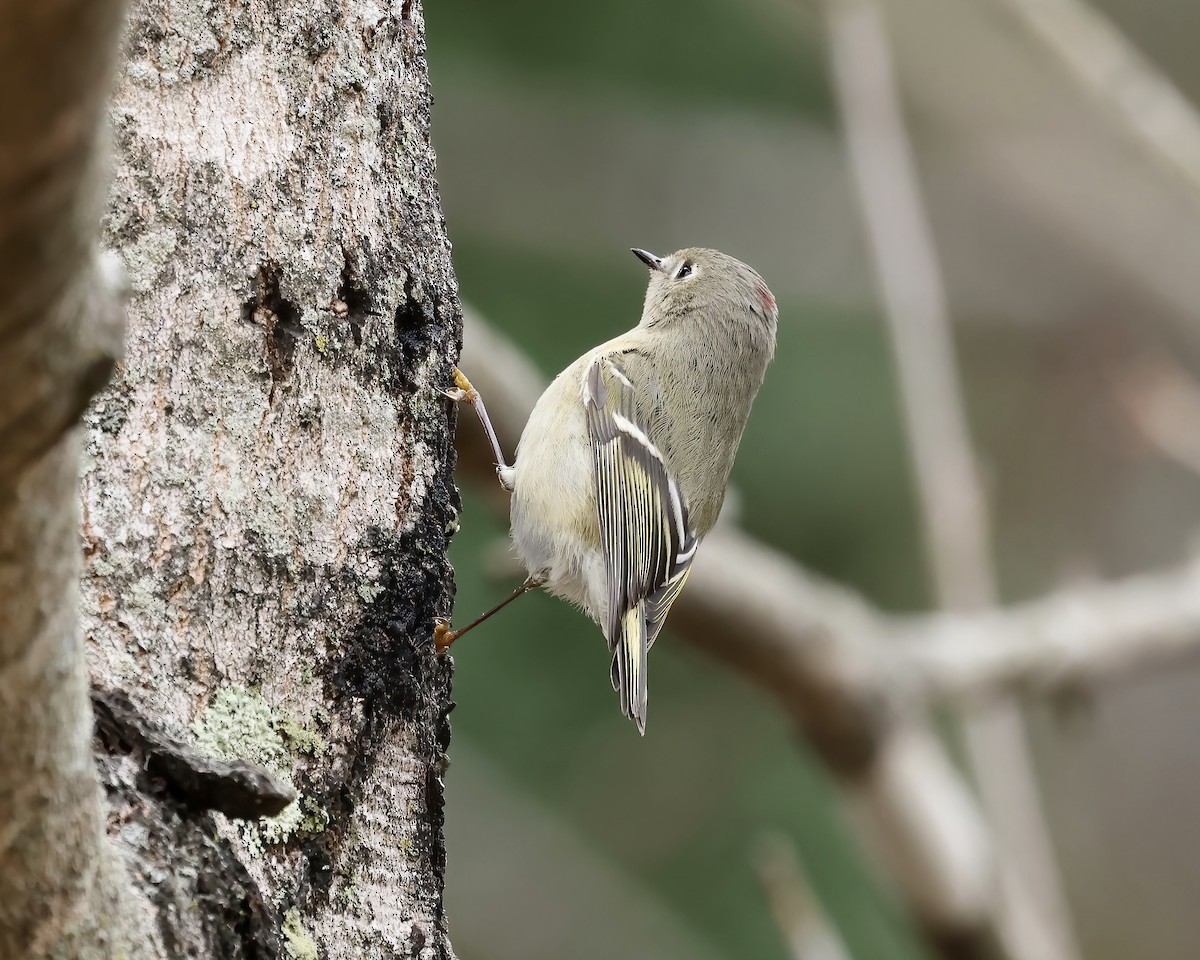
pixel 62 893
pixel 267 491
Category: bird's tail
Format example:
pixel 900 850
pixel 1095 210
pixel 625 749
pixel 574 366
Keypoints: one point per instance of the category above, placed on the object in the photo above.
pixel 629 665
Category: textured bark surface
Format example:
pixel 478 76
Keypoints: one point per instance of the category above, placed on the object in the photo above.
pixel 267 490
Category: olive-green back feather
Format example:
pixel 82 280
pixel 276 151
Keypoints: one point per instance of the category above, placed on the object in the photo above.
pixel 646 537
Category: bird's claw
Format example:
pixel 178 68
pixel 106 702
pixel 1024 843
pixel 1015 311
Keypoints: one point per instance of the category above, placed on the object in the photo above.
pixel 462 389
pixel 443 636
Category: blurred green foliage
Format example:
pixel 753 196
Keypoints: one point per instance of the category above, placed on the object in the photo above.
pixel 703 53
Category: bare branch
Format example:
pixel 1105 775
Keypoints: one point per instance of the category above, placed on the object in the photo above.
pixel 1071 640
pixel 910 280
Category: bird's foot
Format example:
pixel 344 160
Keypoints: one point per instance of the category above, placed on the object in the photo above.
pixel 462 389
pixel 443 636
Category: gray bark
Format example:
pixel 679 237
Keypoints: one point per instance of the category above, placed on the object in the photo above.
pixel 266 498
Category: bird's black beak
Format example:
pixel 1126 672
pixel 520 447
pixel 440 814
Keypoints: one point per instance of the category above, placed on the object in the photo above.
pixel 649 259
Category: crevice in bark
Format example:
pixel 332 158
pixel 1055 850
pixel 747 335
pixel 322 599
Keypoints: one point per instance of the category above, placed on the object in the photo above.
pixel 353 299
pixel 203 895
pixel 238 789
pixel 415 320
pixel 280 320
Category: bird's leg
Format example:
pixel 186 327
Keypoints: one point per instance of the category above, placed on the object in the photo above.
pixel 464 391
pixel 443 636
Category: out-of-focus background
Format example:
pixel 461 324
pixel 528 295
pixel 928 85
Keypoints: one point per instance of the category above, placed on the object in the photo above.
pixel 567 133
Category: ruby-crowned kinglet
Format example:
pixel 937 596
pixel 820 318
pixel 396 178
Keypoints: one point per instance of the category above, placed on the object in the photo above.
pixel 622 467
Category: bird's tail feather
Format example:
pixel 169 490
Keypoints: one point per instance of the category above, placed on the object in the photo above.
pixel 629 666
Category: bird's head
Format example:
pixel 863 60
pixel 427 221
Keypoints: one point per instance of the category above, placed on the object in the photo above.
pixel 698 283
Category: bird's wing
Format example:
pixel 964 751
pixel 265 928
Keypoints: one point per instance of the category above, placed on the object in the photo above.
pixel 647 540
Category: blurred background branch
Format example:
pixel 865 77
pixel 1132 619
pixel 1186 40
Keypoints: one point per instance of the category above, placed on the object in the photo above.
pixel 1163 402
pixel 801 921
pixel 1034 918
pixel 1106 64
pixel 1069 642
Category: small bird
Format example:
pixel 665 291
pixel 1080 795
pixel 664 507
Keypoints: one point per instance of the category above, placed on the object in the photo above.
pixel 622 467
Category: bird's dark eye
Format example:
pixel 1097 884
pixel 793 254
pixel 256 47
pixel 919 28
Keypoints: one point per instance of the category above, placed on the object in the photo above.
pixel 683 271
